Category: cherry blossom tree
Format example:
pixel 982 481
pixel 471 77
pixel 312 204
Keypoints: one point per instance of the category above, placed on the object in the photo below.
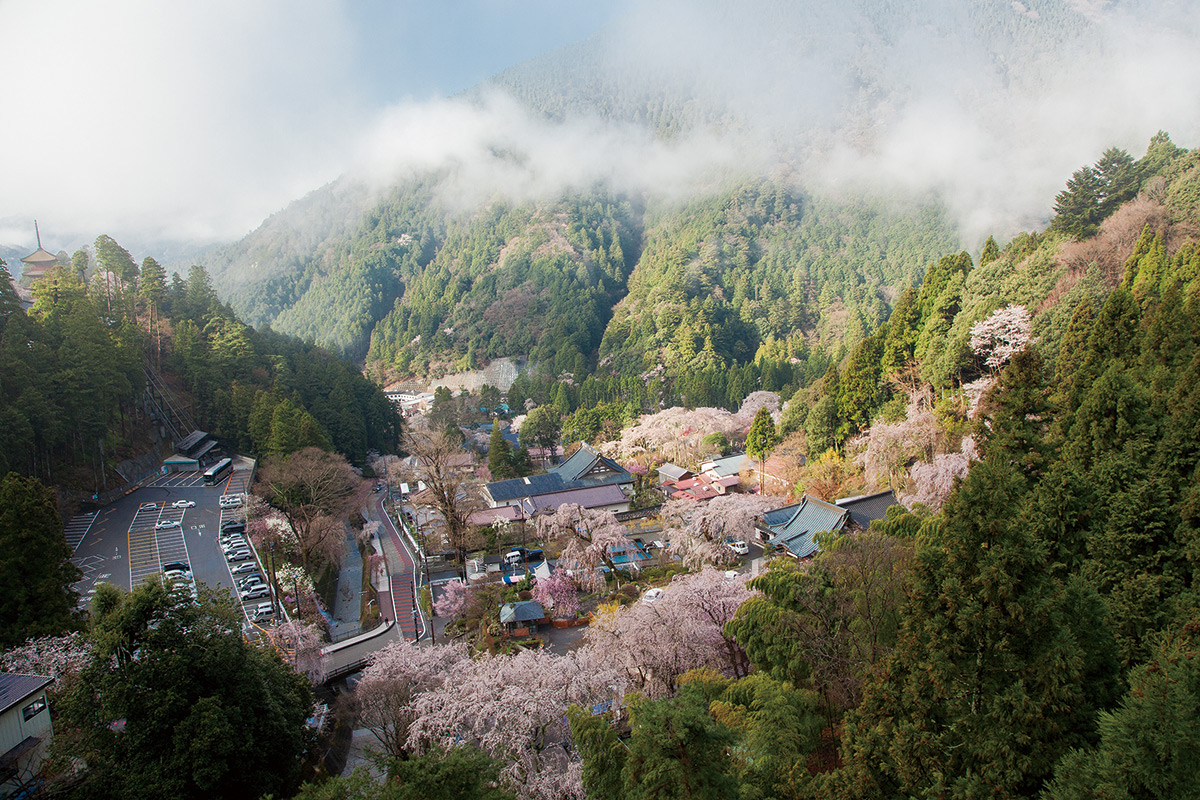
pixel 589 533
pixel 934 481
pixel 302 647
pixel 698 531
pixel 653 643
pixel 1002 335
pixel 886 449
pixel 456 598
pixel 393 682
pixel 675 433
pixel 753 402
pixel 57 657
pixel 559 594
pixel 514 707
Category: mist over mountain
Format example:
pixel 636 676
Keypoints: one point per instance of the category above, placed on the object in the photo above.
pixel 960 121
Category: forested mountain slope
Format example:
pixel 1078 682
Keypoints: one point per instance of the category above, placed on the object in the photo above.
pixel 418 284
pixel 72 374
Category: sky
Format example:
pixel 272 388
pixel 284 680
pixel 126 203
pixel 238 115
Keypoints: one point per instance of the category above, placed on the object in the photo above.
pixel 174 120
pixel 160 121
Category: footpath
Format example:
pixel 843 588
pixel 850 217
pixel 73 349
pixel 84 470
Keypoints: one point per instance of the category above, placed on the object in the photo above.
pixel 347 602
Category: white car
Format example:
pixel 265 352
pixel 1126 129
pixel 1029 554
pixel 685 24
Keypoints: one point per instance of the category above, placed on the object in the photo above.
pixel 148 507
pixel 242 569
pixel 255 592
pixel 177 575
pixel 183 504
pixel 238 555
pixel 231 500
pixel 166 523
pixel 738 547
pixel 262 611
pixel 653 594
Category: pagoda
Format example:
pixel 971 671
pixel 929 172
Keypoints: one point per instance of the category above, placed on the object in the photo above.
pixel 37 263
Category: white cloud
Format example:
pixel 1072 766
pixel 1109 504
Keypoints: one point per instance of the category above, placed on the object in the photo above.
pixel 198 120
pixel 170 118
pixel 495 148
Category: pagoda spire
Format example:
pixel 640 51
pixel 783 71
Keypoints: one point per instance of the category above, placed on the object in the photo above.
pixel 38 234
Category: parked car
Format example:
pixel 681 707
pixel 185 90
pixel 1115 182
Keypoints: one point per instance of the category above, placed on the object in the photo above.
pixel 262 611
pixel 177 575
pixel 246 583
pixel 231 500
pixel 233 525
pixel 738 547
pixel 238 555
pixel 166 523
pixel 184 504
pixel 242 569
pixel 148 507
pixel 176 565
pixel 255 592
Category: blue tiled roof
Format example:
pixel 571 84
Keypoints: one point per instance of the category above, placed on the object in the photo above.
pixel 526 611
pixel 797 532
pixel 526 487
pixel 865 509
pixel 730 465
pixel 585 459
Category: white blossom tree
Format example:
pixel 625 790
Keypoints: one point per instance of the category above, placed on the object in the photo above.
pixel 886 450
pixel 753 402
pixel 303 648
pixel 698 531
pixel 57 657
pixel 590 534
pixel 390 687
pixel 675 433
pixel 514 707
pixel 653 643
pixel 934 481
pixel 1006 332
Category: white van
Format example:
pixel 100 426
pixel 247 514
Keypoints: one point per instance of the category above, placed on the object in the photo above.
pixel 231 500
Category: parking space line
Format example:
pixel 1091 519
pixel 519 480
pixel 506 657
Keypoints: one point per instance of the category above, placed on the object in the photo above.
pixel 75 530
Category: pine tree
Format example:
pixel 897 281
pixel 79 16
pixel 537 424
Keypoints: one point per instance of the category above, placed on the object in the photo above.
pixel 1149 746
pixel 990 681
pixel 499 455
pixel 761 439
pixel 991 251
pixel 1077 208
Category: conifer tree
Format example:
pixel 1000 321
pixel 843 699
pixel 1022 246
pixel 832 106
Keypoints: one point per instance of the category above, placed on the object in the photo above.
pixel 499 455
pixel 989 683
pixel 991 251
pixel 1149 746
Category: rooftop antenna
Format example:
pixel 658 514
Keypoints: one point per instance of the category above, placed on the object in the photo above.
pixel 38 234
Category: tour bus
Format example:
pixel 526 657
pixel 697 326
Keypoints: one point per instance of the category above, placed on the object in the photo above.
pixel 218 472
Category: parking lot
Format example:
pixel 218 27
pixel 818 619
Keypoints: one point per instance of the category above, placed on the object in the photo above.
pixel 174 520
